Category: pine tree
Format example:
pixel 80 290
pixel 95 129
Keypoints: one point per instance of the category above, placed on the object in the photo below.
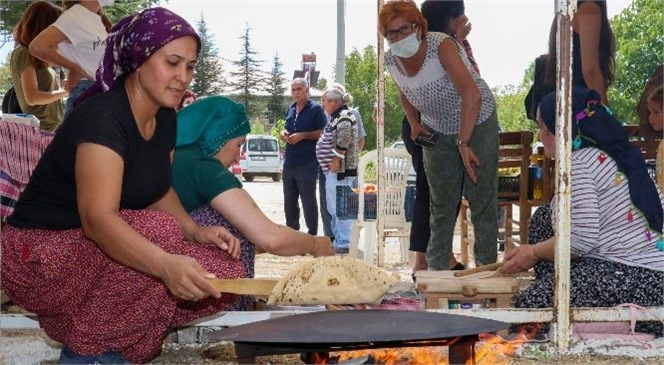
pixel 276 89
pixel 248 79
pixel 208 75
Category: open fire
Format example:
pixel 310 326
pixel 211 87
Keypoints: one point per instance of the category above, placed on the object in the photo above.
pixel 490 350
pixel 336 332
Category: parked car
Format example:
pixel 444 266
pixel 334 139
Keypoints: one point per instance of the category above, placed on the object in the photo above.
pixel 412 175
pixel 261 156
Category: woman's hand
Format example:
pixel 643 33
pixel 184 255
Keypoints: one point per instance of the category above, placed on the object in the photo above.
pixel 463 30
pixel 322 246
pixel 218 236
pixel 186 279
pixel 519 259
pixel 469 159
pixel 417 129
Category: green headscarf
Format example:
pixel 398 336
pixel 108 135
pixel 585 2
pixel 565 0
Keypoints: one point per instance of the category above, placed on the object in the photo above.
pixel 211 122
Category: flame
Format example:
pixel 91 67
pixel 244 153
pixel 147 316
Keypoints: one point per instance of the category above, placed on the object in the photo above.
pixel 404 355
pixel 490 350
pixel 316 358
pixel 494 349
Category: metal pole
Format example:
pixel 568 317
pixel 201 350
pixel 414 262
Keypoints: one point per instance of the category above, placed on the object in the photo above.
pixel 340 66
pixel 562 333
pixel 380 141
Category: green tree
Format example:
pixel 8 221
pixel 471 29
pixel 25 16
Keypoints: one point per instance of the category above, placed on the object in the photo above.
pixel 279 126
pixel 122 8
pixel 361 84
pixel 511 110
pixel 12 10
pixel 639 34
pixel 257 128
pixel 322 83
pixel 510 104
pixel 276 89
pixel 5 76
pixel 208 75
pixel 248 80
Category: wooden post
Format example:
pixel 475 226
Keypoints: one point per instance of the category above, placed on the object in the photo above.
pixel 380 136
pixel 562 333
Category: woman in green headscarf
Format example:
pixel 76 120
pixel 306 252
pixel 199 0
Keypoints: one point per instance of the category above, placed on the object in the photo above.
pixel 210 133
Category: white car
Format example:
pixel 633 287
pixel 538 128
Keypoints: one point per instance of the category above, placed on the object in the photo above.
pixel 261 156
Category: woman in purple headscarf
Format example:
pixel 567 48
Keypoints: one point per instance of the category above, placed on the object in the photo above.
pixel 99 246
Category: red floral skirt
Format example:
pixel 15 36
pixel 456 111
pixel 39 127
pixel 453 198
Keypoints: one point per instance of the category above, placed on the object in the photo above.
pixel 93 304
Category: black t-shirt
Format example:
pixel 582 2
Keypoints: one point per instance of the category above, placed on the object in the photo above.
pixel 49 200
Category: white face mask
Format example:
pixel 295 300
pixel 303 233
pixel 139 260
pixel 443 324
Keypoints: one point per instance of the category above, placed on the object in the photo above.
pixel 406 47
pixel 106 2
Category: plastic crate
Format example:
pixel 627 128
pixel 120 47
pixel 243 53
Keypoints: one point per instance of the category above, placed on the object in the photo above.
pixel 347 203
pixel 508 187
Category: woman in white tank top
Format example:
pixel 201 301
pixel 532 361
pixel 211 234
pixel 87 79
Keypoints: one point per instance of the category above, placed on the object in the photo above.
pixel 442 94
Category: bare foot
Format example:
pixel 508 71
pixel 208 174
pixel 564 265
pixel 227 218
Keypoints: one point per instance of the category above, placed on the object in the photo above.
pixel 420 262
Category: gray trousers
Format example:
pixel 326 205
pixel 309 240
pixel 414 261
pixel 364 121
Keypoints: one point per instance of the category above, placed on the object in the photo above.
pixel 448 181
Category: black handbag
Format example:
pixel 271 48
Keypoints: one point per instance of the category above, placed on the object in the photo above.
pixel 10 102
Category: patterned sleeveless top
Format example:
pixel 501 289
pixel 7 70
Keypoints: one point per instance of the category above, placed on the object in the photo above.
pixel 432 92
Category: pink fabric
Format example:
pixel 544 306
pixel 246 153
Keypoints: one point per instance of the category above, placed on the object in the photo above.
pixel 94 304
pixel 21 147
pixel 615 330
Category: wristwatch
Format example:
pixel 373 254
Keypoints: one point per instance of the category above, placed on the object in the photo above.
pixel 461 142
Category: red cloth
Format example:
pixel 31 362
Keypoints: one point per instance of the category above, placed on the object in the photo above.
pixel 469 52
pixel 94 304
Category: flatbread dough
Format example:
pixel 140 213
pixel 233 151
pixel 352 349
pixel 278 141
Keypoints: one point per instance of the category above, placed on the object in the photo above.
pixel 332 280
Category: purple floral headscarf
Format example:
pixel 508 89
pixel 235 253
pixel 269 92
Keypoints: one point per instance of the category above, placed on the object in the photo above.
pixel 133 40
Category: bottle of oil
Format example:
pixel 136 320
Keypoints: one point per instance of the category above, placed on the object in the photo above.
pixel 535 179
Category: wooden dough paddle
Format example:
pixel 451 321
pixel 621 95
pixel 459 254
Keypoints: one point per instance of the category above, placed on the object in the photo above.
pixel 245 286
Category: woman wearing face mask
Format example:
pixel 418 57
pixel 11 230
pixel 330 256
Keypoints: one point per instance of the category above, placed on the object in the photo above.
pixel 441 93
pixel 75 42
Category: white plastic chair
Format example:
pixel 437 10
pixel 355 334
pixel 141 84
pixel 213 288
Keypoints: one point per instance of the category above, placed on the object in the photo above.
pixel 397 167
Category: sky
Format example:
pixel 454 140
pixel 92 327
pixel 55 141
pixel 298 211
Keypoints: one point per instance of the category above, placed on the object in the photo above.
pixel 506 36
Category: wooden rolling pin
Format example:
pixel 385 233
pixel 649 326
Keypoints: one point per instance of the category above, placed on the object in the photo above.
pixel 489 267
